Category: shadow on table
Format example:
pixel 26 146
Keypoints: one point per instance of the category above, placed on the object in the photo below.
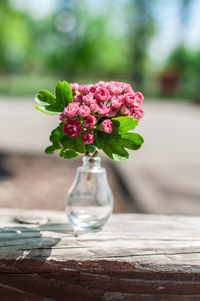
pixel 19 242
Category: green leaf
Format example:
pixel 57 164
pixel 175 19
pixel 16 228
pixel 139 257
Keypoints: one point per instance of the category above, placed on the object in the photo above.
pixel 56 135
pixel 111 145
pixel 91 148
pixel 75 144
pixel 123 124
pixel 119 158
pixel 132 140
pixel 46 97
pixel 114 145
pixel 70 147
pixel 48 104
pixel 68 154
pixel 39 102
pixel 50 149
pixel 63 95
pixel 47 110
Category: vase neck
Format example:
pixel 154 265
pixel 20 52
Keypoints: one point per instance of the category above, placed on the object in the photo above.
pixel 91 161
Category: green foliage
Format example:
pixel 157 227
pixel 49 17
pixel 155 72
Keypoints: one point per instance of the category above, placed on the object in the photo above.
pixel 114 144
pixel 68 154
pixel 50 149
pixel 44 46
pixel 74 144
pixel 47 47
pixel 92 147
pixel 47 110
pixel 123 124
pixel 63 95
pixel 183 66
pixel 55 137
pixel 49 104
pixel 132 141
pixel 69 147
pixel 45 96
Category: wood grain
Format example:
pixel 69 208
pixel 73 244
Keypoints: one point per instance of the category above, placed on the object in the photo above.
pixel 135 257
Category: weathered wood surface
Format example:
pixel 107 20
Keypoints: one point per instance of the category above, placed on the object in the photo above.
pixel 135 257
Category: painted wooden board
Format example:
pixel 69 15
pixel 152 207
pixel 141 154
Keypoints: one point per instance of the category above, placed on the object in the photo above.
pixel 135 257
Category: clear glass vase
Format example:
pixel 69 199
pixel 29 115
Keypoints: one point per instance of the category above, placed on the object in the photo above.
pixel 90 201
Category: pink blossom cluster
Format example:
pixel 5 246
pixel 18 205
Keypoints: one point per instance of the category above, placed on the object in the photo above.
pixel 94 105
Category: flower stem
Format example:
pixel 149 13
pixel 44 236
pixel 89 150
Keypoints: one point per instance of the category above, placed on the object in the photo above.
pixel 91 155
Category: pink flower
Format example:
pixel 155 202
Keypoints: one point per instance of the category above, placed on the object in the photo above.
pixel 115 87
pixel 94 107
pixel 130 98
pixel 78 98
pixel 84 111
pixel 125 109
pixel 101 84
pixel 112 112
pixel 91 88
pixel 107 126
pixel 128 88
pixel 89 122
pixel 102 94
pixel 72 109
pixel 89 99
pixel 62 117
pixel 136 112
pixel 117 101
pixel 74 87
pixel 82 89
pixel 87 138
pixel 139 97
pixel 72 128
pixel 103 109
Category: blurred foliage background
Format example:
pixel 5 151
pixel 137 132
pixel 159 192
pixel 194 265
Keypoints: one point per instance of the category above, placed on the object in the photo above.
pixel 153 44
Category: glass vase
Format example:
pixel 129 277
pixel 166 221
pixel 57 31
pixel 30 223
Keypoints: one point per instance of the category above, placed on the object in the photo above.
pixel 90 200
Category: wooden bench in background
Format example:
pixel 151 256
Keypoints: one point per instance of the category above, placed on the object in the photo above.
pixel 135 257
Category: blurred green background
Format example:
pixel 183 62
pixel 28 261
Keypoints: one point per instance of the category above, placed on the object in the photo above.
pixel 153 44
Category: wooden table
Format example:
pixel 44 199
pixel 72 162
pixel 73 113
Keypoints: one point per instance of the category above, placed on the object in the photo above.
pixel 135 257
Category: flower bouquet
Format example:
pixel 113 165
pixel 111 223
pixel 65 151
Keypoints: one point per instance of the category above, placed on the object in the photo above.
pixel 92 117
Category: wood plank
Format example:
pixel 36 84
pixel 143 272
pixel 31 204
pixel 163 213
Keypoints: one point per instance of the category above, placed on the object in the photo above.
pixel 135 257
